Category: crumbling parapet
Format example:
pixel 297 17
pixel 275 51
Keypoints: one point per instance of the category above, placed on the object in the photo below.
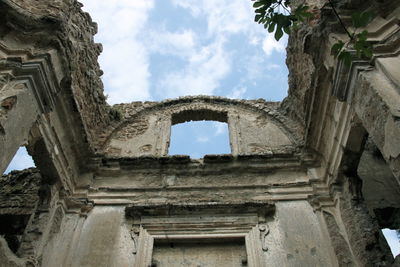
pixel 301 156
pixel 255 127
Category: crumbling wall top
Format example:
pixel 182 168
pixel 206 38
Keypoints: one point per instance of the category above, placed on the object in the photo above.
pixel 255 126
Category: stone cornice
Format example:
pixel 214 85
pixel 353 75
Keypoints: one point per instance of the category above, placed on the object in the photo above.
pixel 37 71
pixel 276 159
pixel 263 208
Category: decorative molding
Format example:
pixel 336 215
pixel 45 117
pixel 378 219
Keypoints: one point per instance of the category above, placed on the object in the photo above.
pixel 38 73
pixel 204 221
pixel 345 76
pixel 210 107
pixel 264 231
pixel 384 34
pixel 135 230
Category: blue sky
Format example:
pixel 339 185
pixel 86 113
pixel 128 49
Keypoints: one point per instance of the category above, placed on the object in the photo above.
pixel 165 49
pixel 157 49
pixel 161 49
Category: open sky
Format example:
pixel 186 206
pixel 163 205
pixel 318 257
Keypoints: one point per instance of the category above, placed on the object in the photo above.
pixel 169 48
pixel 157 49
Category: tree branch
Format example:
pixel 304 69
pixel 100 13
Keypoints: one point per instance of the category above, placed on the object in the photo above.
pixel 340 20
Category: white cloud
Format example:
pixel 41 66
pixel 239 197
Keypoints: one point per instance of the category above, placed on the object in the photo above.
pixel 181 43
pixel 273 66
pixel 220 128
pixel 238 92
pixel 130 38
pixel 126 72
pixel 125 58
pixel 202 139
pixel 270 45
pixel 224 16
pixel 205 69
pixel 255 40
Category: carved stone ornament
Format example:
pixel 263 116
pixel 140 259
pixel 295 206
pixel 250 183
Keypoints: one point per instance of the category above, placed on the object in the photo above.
pixel 264 231
pixel 4 79
pixel 135 237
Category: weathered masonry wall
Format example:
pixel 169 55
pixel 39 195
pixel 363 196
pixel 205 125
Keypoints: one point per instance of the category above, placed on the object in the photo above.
pixel 310 181
pixel 347 111
pixel 255 127
pixel 106 237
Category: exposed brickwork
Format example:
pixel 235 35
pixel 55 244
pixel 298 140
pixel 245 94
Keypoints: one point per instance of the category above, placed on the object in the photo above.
pixel 19 191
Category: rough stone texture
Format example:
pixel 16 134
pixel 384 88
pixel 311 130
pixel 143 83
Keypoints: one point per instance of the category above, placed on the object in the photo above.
pixel 371 252
pixel 13 118
pixel 339 243
pixel 7 258
pixel 300 187
pixel 380 188
pixel 19 192
pixel 255 127
pixel 64 27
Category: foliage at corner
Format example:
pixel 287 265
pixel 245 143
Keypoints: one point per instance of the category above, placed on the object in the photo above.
pixel 357 40
pixel 278 17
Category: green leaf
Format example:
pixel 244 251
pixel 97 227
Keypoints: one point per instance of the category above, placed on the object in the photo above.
pixel 271 27
pixel 366 18
pixel 355 18
pixel 302 12
pixel 346 57
pixel 286 29
pixel 368 52
pixel 336 48
pixel 257 18
pixel 362 36
pixel 278 33
pixel 260 11
pixel 258 4
pixel 361 19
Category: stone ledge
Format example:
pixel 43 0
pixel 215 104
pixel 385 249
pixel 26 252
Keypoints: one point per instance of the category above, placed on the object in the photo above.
pixel 263 207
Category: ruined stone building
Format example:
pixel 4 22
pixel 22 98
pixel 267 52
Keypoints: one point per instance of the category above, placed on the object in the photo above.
pixel 310 181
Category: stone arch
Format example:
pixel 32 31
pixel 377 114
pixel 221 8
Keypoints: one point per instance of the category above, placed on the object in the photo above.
pixel 255 126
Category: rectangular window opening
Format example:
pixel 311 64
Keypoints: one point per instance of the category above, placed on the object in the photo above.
pixel 199 138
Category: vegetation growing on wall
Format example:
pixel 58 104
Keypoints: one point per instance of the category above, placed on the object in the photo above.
pixel 277 16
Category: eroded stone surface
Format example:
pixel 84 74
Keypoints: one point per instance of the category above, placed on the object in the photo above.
pixel 300 188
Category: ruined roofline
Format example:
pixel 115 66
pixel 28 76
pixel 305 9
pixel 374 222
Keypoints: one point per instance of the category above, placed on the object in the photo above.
pixel 193 108
pixel 275 159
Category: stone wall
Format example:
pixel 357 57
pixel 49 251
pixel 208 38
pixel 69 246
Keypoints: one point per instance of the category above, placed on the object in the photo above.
pixel 19 191
pixel 64 32
pixel 341 106
pixel 255 127
pixel 19 198
pixel 107 190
